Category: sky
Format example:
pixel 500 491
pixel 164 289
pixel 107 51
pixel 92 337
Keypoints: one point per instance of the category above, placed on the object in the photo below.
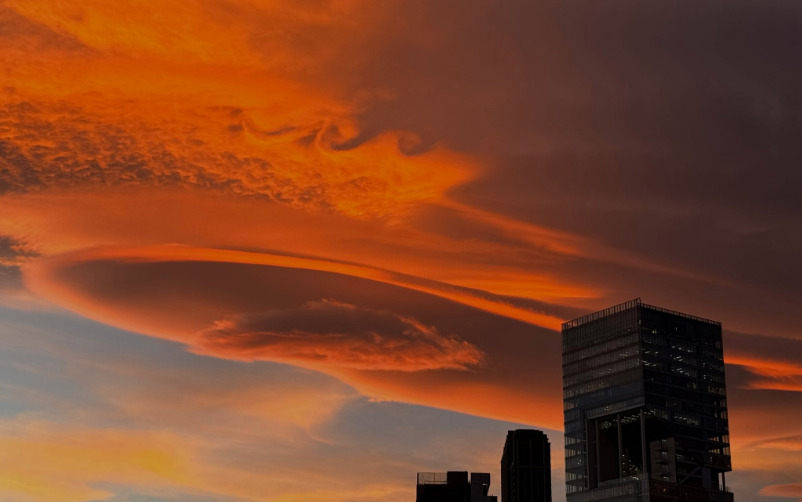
pixel 299 250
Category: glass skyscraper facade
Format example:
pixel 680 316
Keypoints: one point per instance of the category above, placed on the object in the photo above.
pixel 645 407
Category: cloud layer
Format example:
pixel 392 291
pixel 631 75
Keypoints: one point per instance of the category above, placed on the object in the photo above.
pixel 331 333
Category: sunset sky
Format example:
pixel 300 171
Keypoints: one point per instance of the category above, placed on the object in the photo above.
pixel 299 250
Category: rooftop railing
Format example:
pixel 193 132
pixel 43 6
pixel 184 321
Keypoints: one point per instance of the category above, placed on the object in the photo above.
pixel 621 307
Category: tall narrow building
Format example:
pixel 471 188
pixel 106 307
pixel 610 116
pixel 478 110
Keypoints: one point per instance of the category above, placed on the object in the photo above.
pixel 526 467
pixel 645 407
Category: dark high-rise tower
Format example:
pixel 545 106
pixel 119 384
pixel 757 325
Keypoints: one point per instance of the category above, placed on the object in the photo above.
pixel 526 467
pixel 645 407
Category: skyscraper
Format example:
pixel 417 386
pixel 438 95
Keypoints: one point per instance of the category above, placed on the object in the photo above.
pixel 526 467
pixel 645 407
pixel 454 486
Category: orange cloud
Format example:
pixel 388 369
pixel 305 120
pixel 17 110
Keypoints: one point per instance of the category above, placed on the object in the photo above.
pixel 789 443
pixel 47 462
pixel 64 220
pixel 55 221
pixel 792 490
pixel 195 146
pixel 117 111
pixel 44 461
pixel 330 333
pixel 277 313
pixel 308 151
pixel 176 31
pixel 39 275
pixel 775 374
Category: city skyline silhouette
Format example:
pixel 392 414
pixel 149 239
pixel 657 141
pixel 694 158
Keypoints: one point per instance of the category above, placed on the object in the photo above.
pixel 300 250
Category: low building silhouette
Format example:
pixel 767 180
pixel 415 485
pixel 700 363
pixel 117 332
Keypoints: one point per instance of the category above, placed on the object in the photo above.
pixel 526 467
pixel 454 486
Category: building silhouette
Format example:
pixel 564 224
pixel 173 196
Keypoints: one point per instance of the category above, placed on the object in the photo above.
pixel 454 486
pixel 645 407
pixel 526 467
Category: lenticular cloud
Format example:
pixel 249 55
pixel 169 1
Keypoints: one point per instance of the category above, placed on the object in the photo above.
pixel 329 332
